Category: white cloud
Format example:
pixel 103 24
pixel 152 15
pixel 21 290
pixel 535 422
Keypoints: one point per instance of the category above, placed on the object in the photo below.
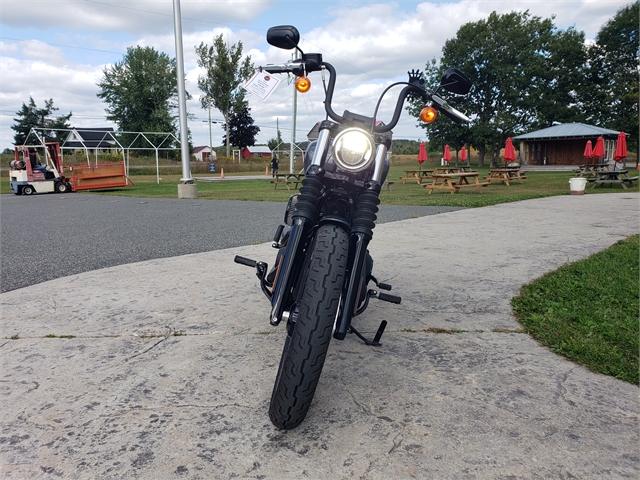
pixel 370 46
pixel 132 16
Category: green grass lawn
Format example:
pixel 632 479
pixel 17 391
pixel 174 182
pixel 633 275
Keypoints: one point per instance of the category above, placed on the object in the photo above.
pixel 587 311
pixel 537 184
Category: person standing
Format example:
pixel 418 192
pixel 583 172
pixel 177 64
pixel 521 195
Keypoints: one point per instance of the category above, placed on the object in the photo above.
pixel 274 166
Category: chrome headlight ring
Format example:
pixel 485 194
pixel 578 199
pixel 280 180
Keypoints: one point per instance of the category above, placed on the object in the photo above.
pixel 353 150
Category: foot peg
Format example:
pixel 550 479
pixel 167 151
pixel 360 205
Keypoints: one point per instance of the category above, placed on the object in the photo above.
pixel 386 297
pixel 261 273
pixel 245 261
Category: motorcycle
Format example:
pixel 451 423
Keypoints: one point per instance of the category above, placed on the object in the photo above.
pixel 322 270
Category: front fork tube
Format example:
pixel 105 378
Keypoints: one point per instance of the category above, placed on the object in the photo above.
pixel 349 305
pixel 284 270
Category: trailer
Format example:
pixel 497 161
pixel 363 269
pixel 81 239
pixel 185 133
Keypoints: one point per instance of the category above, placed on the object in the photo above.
pixel 30 175
pixel 98 175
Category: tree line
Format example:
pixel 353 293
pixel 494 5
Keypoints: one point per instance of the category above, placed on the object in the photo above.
pixel 526 73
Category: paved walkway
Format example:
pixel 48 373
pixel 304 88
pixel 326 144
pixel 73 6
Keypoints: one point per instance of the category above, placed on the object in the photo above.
pixel 171 366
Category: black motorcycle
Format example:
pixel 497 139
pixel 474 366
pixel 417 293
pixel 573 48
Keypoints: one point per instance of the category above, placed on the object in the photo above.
pixel 322 270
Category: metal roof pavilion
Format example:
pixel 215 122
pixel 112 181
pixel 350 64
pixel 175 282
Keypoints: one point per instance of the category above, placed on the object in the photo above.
pixel 567 130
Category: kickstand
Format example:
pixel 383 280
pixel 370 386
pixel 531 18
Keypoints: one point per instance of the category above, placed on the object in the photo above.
pixel 376 340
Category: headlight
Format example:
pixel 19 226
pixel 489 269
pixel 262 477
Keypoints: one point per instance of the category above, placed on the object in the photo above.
pixel 353 149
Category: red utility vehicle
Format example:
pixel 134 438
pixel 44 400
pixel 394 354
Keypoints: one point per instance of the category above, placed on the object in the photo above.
pixel 29 175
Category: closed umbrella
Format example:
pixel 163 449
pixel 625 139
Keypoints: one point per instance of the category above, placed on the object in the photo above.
pixel 621 148
pixel 463 154
pixel 447 154
pixel 588 150
pixel 598 150
pixel 422 154
pixel 509 152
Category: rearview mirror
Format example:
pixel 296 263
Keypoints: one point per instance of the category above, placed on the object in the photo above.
pixel 284 36
pixel 454 81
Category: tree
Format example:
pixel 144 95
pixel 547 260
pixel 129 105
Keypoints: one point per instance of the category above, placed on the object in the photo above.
pixel 520 77
pixel 30 116
pixel 611 94
pixel 225 71
pixel 141 92
pixel 242 131
pixel 405 147
pixel 560 75
pixel 276 142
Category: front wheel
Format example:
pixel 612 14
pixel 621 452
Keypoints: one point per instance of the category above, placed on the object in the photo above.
pixel 61 187
pixel 305 351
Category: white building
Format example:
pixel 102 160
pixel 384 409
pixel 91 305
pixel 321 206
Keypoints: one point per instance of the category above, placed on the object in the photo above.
pixel 203 154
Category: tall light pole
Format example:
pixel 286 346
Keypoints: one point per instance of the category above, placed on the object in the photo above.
pixel 210 137
pixel 186 188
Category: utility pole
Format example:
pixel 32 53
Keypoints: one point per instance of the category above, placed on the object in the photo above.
pixel 186 188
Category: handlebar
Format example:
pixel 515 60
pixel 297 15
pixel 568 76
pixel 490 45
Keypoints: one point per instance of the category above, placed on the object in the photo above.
pixel 284 68
pixel 300 68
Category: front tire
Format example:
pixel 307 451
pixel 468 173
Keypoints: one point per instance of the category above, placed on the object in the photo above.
pixel 305 351
pixel 61 187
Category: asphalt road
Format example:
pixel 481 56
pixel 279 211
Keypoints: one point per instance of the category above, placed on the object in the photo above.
pixel 43 237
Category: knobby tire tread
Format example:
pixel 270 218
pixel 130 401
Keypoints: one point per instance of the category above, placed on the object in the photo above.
pixel 304 353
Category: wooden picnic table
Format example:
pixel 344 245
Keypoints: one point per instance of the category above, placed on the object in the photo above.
pixel 591 169
pixel 287 179
pixel 614 176
pixel 417 175
pixel 505 175
pixel 453 182
pixel 452 169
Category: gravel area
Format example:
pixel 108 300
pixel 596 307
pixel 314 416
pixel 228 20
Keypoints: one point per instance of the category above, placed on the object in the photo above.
pixel 43 237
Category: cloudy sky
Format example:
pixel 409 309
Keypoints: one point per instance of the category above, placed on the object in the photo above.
pixel 58 49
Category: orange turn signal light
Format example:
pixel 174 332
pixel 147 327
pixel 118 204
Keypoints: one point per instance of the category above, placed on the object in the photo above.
pixel 303 84
pixel 428 114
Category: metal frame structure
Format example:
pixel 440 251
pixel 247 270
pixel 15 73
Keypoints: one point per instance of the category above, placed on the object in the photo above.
pixel 36 135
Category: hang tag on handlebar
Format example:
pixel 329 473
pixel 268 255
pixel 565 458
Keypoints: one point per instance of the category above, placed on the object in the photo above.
pixel 262 84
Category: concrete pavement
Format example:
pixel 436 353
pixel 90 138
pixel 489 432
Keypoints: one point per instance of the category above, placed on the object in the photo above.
pixel 172 361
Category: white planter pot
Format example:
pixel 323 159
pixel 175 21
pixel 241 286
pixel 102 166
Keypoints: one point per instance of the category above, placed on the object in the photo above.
pixel 577 185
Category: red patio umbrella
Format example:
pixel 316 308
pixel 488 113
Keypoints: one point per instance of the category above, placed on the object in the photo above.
pixel 621 147
pixel 588 150
pixel 422 154
pixel 509 151
pixel 598 150
pixel 447 154
pixel 463 154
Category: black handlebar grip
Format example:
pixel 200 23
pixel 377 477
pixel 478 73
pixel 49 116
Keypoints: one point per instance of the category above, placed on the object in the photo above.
pixel 245 261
